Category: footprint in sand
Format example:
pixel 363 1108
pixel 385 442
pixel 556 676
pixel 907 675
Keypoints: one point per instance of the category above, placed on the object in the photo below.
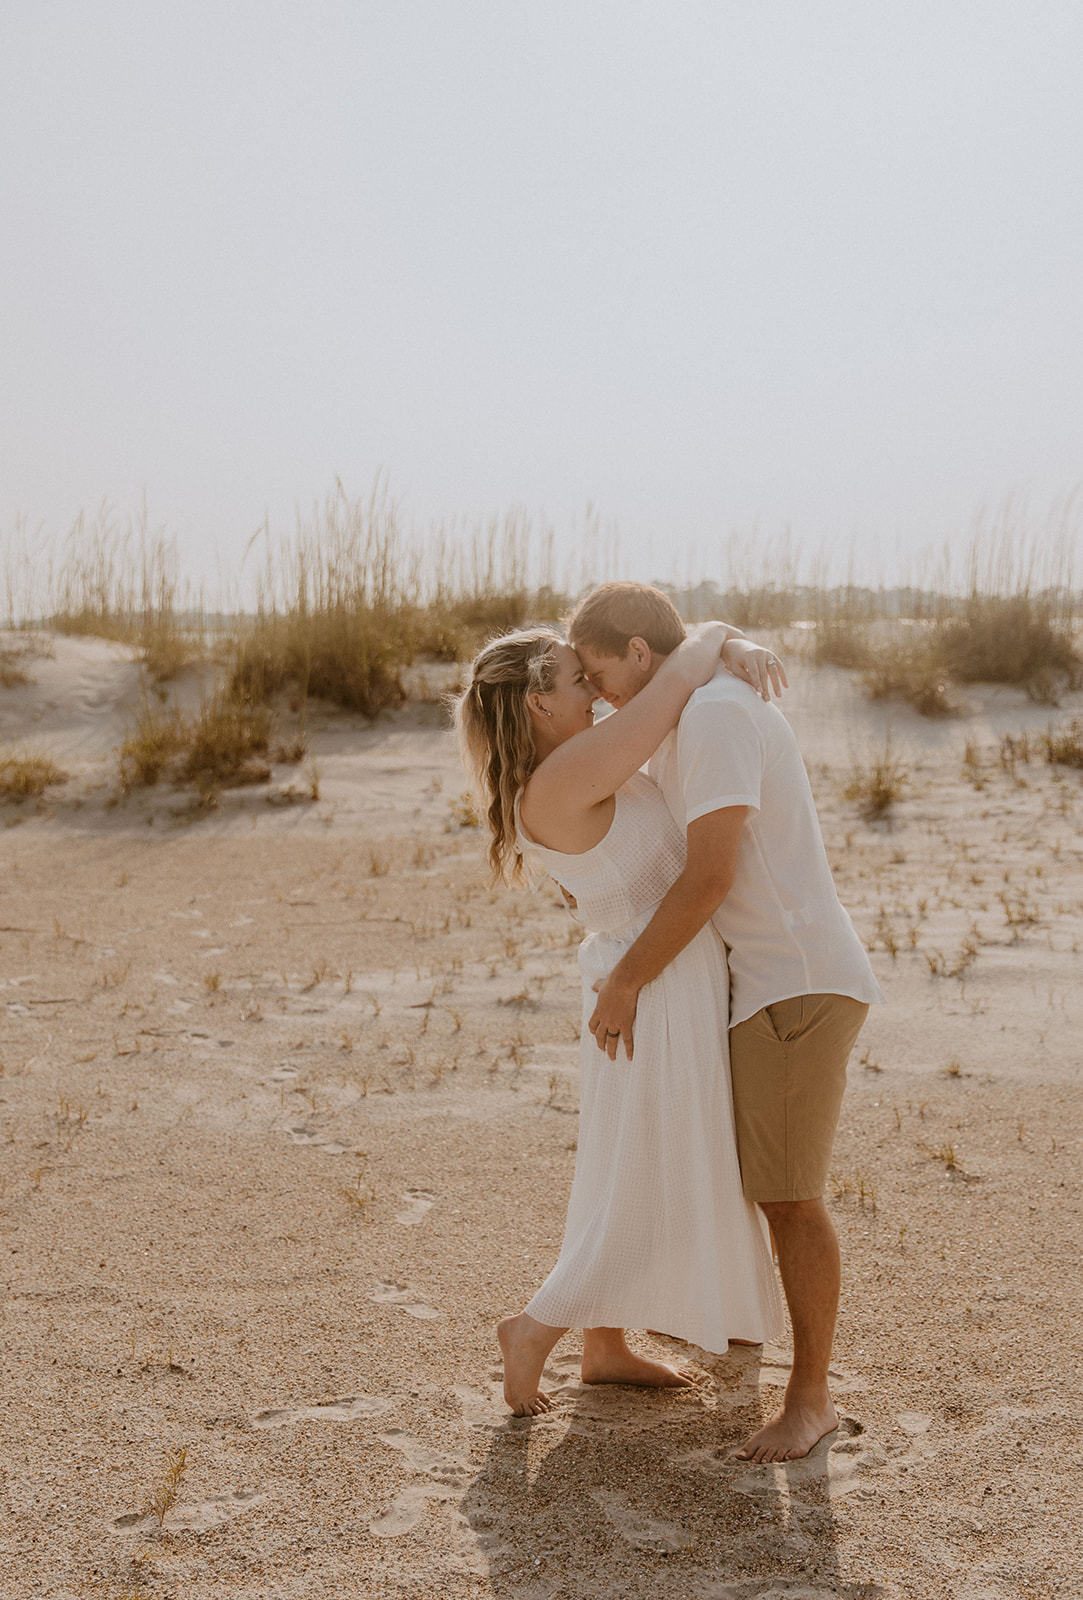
pixel 212 1513
pixel 303 1134
pixel 436 1464
pixel 449 1477
pixel 406 1510
pixel 345 1409
pixel 397 1294
pixel 418 1202
pixel 645 1533
pixel 484 1413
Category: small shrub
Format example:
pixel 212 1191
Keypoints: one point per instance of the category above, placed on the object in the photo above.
pixel 12 672
pixel 158 736
pixel 1063 746
pixel 1013 638
pixel 878 785
pixel 222 743
pixel 840 642
pixel 945 1153
pixel 293 753
pixel 463 812
pixel 1019 912
pixel 349 653
pixel 360 1193
pixel 165 648
pixel 1013 749
pixel 217 748
pixel 164 1496
pixel 972 764
pixel 912 672
pixel 452 629
pixel 26 777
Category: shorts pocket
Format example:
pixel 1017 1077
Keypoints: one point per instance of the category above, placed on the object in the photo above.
pixel 787 1017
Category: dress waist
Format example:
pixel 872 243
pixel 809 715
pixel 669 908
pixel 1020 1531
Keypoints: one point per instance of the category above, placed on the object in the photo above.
pixel 600 951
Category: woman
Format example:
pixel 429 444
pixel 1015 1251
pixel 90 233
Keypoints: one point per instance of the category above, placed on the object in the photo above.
pixel 658 1234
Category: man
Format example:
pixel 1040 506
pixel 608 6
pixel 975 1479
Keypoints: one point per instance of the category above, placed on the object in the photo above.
pixel 800 981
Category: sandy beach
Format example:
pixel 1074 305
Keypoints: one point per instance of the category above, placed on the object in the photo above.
pixel 288 1121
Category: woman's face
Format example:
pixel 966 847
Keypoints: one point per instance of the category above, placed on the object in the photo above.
pixel 571 703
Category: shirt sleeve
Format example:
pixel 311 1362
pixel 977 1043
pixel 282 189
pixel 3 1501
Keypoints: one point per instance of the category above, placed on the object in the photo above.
pixel 720 755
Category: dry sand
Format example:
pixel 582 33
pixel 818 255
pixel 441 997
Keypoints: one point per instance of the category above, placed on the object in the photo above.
pixel 287 1112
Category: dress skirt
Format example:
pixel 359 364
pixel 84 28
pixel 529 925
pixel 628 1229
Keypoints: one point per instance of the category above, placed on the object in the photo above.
pixel 658 1233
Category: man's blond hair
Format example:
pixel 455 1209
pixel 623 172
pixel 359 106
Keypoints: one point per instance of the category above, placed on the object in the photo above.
pixel 616 613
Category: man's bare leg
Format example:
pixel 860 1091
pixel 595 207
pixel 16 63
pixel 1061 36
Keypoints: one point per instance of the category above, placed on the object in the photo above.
pixel 607 1359
pixel 525 1344
pixel 808 1260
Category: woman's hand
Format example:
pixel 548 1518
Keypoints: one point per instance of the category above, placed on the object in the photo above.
pixel 754 664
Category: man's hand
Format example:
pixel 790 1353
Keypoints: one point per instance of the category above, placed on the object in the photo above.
pixel 614 1015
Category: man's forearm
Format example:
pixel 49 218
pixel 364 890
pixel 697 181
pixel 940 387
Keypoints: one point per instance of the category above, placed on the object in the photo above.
pixel 713 841
pixel 686 908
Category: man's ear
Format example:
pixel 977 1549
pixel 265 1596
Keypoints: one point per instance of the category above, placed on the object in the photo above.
pixel 640 652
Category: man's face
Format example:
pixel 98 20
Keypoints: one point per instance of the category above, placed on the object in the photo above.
pixel 617 679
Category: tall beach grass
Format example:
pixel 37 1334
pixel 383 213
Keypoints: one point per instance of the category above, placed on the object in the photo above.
pixel 339 609
pixel 108 578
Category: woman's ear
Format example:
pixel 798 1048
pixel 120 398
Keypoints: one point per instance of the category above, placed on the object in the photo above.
pixel 535 707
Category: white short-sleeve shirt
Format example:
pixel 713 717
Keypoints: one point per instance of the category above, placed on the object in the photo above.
pixel 786 929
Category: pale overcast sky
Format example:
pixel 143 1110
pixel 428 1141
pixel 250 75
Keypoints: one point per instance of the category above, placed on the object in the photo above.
pixel 715 267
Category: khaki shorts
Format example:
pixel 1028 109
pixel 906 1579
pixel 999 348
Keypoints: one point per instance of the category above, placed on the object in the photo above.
pixel 789 1071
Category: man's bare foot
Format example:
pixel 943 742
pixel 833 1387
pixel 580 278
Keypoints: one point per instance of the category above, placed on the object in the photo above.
pixel 791 1433
pixel 624 1366
pixel 525 1343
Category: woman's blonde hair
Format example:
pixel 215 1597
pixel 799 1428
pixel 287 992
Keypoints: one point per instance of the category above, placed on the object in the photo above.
pixel 496 737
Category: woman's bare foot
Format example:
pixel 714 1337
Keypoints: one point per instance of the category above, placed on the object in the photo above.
pixel 525 1343
pixel 607 1359
pixel 791 1433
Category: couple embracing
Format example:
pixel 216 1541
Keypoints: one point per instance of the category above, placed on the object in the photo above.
pixel 723 987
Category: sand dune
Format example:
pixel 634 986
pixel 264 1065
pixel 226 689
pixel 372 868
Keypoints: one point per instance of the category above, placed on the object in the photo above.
pixel 287 1111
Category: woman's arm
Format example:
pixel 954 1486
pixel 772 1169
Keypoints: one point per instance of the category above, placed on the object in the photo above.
pixel 593 765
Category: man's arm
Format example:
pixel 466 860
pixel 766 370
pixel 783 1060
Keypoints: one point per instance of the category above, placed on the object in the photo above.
pixel 691 902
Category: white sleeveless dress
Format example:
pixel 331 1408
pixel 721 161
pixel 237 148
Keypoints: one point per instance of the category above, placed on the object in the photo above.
pixel 659 1234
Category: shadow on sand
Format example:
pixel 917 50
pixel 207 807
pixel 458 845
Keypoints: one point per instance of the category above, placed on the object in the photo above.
pixel 632 1492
